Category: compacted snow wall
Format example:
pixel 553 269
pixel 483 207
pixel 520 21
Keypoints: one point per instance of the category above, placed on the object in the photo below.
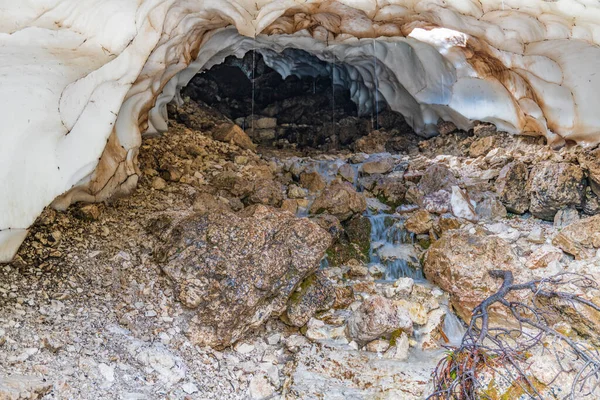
pixel 80 80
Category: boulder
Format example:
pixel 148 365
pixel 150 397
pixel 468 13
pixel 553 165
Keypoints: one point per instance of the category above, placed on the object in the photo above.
pixel 236 270
pixel 459 263
pixel 511 187
pixel 378 317
pixel 461 205
pixel 358 229
pixel 231 133
pixel 389 190
pixel 581 238
pixel 437 202
pixel 490 208
pixel 565 217
pixel 378 165
pixel 591 204
pixel 312 181
pixel 348 172
pixel 267 192
pixel 437 177
pixel 554 186
pixel 315 294
pixel 234 183
pixel 341 200
pixel 420 222
pixel 590 162
pixel 482 146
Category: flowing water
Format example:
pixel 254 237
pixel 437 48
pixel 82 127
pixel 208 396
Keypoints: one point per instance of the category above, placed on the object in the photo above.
pixel 392 246
pixel 392 249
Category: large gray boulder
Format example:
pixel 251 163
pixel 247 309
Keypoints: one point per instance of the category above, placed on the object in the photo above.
pixel 236 270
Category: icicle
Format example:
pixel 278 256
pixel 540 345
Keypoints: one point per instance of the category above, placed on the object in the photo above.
pixel 333 96
pixel 253 79
pixel 376 88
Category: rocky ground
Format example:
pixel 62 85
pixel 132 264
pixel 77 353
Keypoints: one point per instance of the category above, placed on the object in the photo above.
pixel 235 273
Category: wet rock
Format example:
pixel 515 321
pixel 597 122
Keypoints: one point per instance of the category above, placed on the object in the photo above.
pixel 21 387
pixel 378 165
pixel 312 181
pixel 389 190
pixel 330 224
pixel 236 270
pixel 231 133
pixel 437 202
pixel 315 294
pixel 511 187
pixel 399 350
pixel 566 217
pixel 581 238
pixel 461 205
pixel 356 269
pixel 378 346
pixel 296 192
pixel 358 229
pixel 378 317
pixel 340 200
pixel 290 205
pixel 459 263
pixel 347 172
pixel 482 147
pixel 555 186
pixel 419 222
pixel 437 177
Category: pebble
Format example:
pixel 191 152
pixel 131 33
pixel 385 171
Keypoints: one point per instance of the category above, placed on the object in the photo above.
pixel 189 388
pixel 244 348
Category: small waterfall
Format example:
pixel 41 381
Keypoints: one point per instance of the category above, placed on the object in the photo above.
pixel 392 247
pixel 453 328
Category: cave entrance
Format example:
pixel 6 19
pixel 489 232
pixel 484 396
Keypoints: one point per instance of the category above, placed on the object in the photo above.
pixel 310 108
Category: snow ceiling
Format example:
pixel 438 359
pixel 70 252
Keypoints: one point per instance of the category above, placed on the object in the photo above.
pixel 80 80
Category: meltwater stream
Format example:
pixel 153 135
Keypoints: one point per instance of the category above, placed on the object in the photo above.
pixel 392 246
pixel 392 249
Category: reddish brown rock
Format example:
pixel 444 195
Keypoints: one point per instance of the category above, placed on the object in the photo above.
pixel 420 222
pixel 340 200
pixel 459 263
pixel 231 133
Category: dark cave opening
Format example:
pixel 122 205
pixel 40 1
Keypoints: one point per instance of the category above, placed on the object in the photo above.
pixel 298 111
